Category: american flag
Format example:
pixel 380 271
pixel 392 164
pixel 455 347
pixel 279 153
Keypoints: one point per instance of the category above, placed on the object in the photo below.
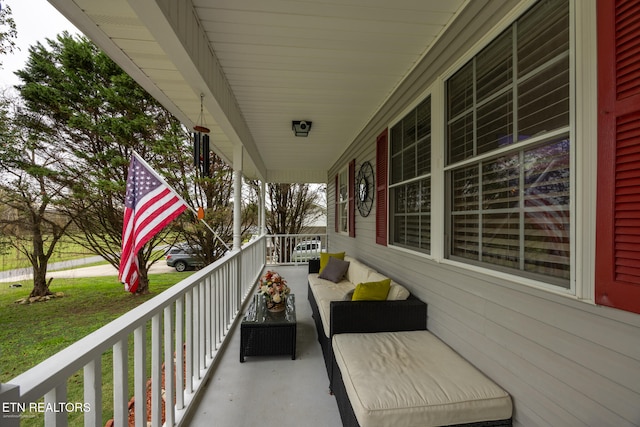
pixel 150 204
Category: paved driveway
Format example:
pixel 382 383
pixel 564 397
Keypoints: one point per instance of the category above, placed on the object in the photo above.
pixel 93 271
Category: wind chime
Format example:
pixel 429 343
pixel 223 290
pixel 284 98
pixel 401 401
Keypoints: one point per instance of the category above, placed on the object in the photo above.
pixel 201 152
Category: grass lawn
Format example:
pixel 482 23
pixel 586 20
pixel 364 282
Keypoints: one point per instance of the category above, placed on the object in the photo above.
pixel 31 333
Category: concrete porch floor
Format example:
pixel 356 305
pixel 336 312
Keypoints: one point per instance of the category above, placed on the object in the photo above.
pixel 272 390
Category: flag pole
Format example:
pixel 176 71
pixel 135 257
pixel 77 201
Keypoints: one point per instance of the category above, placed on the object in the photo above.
pixel 141 160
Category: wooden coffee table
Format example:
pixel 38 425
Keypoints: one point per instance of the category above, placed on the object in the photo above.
pixel 263 333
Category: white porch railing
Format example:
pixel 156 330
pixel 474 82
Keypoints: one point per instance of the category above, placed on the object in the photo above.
pixel 190 321
pixel 294 248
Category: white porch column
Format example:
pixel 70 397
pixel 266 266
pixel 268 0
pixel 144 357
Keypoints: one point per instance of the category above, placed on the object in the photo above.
pixel 237 197
pixel 263 208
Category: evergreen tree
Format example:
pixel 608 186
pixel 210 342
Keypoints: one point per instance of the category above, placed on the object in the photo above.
pixel 96 115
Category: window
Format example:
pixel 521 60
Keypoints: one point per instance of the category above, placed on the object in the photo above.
pixel 343 201
pixel 410 180
pixel 508 151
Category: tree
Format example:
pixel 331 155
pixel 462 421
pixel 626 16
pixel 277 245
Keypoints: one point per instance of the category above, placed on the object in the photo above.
pixel 8 31
pixel 32 185
pixel 290 208
pixel 95 114
pixel 214 193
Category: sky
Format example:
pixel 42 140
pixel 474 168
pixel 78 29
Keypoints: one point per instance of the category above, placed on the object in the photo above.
pixel 36 20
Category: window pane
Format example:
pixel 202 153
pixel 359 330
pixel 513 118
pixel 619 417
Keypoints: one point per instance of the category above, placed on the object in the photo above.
pixel 424 157
pixel 425 232
pixel 399 229
pixel 424 118
pixel 413 231
pixel 425 195
pixel 501 183
pixel 547 182
pixel 398 194
pixel 460 139
pixel 396 139
pixel 465 236
pixel 501 239
pixel 409 130
pixel 495 123
pixel 543 34
pixel 344 192
pixel 413 197
pixel 465 189
pixel 424 138
pixel 460 91
pixel 494 66
pixel 396 168
pixel 343 217
pixel 409 163
pixel 543 101
pixel 547 244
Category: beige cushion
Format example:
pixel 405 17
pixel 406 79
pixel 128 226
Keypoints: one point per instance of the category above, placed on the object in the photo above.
pixel 414 379
pixel 397 292
pixel 357 271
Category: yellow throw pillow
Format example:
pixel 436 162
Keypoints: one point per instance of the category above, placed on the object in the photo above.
pixel 372 291
pixel 324 258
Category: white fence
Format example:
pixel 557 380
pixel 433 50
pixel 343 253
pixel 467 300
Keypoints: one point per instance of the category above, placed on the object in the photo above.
pixel 189 323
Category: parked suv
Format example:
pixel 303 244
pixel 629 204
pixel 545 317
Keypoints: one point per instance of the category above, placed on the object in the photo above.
pixel 183 258
pixel 306 250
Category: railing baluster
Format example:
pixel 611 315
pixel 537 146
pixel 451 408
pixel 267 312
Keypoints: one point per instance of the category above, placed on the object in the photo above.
pixel 93 393
pixel 195 359
pixel 140 374
pixel 180 325
pixel 189 342
pixel 120 383
pixel 53 399
pixel 208 307
pixel 203 329
pixel 156 371
pixel 169 368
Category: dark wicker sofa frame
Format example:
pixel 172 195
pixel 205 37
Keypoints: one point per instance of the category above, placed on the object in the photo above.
pixel 365 316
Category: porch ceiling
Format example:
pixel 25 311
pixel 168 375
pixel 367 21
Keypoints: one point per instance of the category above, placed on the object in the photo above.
pixel 262 63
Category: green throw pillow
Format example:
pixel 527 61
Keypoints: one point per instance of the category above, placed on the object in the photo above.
pixel 324 258
pixel 372 291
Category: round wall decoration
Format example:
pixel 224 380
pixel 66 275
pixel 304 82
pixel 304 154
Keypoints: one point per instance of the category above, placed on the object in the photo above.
pixel 364 189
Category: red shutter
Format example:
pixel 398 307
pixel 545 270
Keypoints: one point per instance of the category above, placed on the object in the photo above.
pixel 336 205
pixel 618 206
pixel 382 165
pixel 352 198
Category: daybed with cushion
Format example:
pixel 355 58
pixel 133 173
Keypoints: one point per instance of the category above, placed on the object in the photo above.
pixel 339 305
pixel 412 378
